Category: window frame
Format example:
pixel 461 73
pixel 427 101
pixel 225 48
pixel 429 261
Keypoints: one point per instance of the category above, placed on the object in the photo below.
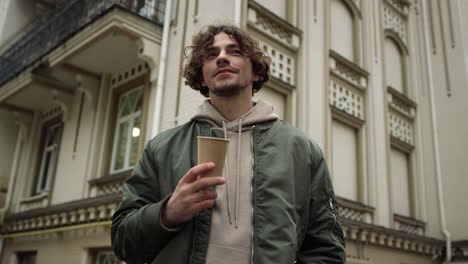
pixel 38 175
pixel 130 118
pixel 115 92
pixel 20 254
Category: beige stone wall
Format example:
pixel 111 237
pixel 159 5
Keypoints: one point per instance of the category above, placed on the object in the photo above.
pixel 9 130
pixel 56 248
pixel 451 94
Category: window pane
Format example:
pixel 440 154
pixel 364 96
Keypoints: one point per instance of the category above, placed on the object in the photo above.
pixel 393 66
pixel 139 101
pixel 121 145
pixel 26 257
pixel 48 154
pixel 400 182
pixel 135 141
pixel 342 32
pixel 106 257
pixel 344 152
pixel 45 171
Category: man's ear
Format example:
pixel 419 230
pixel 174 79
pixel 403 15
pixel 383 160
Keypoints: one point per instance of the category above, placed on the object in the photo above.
pixel 256 78
pixel 202 83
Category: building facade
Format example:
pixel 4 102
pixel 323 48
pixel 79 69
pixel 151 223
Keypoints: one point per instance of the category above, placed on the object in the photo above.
pixel 380 85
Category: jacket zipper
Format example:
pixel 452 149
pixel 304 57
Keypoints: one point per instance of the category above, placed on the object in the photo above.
pixel 252 195
pixel 193 240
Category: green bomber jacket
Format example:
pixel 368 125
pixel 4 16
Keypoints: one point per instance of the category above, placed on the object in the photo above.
pixel 294 206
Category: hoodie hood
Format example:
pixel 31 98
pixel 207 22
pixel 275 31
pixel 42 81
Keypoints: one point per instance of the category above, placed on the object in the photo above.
pixel 260 112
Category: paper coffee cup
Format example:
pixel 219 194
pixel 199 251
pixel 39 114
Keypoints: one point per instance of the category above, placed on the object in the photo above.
pixel 212 149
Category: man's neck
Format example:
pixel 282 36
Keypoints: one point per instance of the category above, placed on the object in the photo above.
pixel 232 107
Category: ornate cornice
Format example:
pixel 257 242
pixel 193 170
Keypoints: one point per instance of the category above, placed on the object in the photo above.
pixel 390 238
pixel 85 211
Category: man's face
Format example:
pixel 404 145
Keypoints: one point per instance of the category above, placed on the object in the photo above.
pixel 226 71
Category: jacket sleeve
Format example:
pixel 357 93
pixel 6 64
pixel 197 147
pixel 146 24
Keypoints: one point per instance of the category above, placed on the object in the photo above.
pixel 137 234
pixel 323 242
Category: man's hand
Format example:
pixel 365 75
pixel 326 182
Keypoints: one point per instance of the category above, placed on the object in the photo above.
pixel 191 196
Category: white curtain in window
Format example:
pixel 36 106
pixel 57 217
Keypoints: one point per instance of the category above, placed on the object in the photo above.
pixel 344 154
pixel 342 31
pixel 400 183
pixel 393 66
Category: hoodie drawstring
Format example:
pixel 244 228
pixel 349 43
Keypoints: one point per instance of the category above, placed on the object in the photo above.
pixel 226 173
pixel 226 176
pixel 239 142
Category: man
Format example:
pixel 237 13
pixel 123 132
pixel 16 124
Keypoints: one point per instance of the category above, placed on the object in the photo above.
pixel 274 202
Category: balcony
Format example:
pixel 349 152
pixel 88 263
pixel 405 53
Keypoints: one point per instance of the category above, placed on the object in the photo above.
pixel 52 29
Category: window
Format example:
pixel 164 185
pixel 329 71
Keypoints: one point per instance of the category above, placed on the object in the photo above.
pixel 345 160
pixel 106 257
pixel 48 156
pixel 26 257
pixel 342 32
pixel 400 182
pixel 394 66
pixel 127 130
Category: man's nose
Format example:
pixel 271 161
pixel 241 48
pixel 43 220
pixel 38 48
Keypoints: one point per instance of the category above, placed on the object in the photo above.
pixel 222 59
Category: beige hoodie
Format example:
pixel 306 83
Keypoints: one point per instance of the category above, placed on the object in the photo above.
pixel 231 226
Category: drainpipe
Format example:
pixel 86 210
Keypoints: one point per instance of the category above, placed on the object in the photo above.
pixel 237 13
pixel 162 67
pixel 435 140
pixel 11 182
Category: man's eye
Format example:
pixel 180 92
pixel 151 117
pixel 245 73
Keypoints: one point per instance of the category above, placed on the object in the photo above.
pixel 236 52
pixel 211 55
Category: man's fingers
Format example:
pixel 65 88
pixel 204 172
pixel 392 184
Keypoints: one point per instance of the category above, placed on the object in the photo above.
pixel 203 205
pixel 196 171
pixel 203 195
pixel 206 182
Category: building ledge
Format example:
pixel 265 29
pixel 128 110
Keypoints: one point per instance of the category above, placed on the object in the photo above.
pixel 391 238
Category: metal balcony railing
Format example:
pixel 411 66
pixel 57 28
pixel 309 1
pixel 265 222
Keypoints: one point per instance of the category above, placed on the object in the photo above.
pixel 52 29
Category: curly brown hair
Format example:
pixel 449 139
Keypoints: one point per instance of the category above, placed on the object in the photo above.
pixel 196 55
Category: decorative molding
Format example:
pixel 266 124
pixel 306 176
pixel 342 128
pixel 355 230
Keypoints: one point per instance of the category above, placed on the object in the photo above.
pixel 34 202
pixel 401 6
pixel 395 14
pixel 346 118
pixel 402 112
pixel 401 145
pixel 409 225
pixel 148 51
pixel 64 101
pixel 129 74
pixel 460 250
pixel 88 86
pixel 51 113
pixel 400 127
pixel 348 70
pixel 110 184
pixel 282 64
pixel 390 238
pixel 346 99
pixel 355 211
pixel 354 5
pixel 272 26
pixel 85 211
pixel 401 103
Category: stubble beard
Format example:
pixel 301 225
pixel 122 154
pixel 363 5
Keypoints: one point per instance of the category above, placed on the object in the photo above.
pixel 229 90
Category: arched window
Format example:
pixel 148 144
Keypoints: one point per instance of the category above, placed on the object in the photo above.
pixel 342 29
pixel 394 66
